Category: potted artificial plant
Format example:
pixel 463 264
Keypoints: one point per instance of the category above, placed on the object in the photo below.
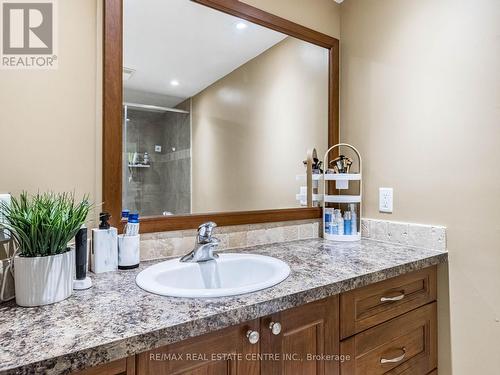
pixel 42 225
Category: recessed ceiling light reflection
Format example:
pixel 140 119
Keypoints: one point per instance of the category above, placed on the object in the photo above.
pixel 174 82
pixel 241 25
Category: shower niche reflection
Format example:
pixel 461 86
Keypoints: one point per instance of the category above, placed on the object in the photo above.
pixel 157 159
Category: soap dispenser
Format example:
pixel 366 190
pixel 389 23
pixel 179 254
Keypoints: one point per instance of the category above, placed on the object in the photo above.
pixel 104 246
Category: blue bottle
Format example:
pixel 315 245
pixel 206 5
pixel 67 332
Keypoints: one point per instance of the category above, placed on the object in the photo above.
pixel 328 220
pixel 347 223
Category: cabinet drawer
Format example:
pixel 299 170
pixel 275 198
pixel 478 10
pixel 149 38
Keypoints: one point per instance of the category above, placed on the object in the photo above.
pixel 366 307
pixel 404 345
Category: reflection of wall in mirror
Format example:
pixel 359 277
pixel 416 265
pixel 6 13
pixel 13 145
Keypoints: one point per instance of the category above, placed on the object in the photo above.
pixel 252 128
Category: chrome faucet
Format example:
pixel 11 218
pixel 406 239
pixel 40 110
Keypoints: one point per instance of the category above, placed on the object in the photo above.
pixel 205 245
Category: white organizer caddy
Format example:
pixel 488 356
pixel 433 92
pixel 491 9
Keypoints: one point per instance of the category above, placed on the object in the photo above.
pixel 342 183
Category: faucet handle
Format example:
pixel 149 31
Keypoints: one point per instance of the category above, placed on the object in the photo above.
pixel 205 231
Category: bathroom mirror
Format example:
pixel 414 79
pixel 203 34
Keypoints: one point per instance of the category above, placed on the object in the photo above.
pixel 218 111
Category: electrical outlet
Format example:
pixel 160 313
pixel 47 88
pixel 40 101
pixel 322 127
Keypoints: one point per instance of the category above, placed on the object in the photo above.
pixel 157 148
pixel 385 199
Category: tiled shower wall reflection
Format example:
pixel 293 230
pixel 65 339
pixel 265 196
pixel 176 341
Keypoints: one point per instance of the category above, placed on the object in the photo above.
pixel 164 187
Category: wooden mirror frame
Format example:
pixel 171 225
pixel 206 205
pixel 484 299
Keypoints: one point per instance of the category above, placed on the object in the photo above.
pixel 112 117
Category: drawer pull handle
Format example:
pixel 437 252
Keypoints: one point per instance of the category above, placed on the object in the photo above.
pixel 392 299
pixel 394 360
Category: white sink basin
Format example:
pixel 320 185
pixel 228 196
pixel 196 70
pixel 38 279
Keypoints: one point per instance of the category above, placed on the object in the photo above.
pixel 229 275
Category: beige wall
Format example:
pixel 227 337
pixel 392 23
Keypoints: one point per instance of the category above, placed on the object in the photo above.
pixel 251 129
pixel 319 15
pixel 48 118
pixel 420 97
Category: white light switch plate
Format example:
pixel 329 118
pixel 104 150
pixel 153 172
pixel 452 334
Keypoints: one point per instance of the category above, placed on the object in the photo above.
pixel 385 199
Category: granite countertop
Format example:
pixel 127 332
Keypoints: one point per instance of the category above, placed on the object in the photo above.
pixel 115 318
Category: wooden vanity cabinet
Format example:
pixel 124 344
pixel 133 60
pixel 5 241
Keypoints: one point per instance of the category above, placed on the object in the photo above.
pixel 294 341
pixel 389 327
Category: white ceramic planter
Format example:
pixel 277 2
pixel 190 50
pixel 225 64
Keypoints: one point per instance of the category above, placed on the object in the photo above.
pixel 43 280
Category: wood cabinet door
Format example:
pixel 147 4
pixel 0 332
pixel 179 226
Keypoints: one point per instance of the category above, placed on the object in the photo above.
pixel 224 352
pixel 308 342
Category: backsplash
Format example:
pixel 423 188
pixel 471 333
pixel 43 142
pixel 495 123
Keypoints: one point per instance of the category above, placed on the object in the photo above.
pixel 176 243
pixel 418 235
pixel 166 244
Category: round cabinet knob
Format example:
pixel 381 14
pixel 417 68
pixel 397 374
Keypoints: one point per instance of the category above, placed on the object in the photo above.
pixel 253 337
pixel 275 328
